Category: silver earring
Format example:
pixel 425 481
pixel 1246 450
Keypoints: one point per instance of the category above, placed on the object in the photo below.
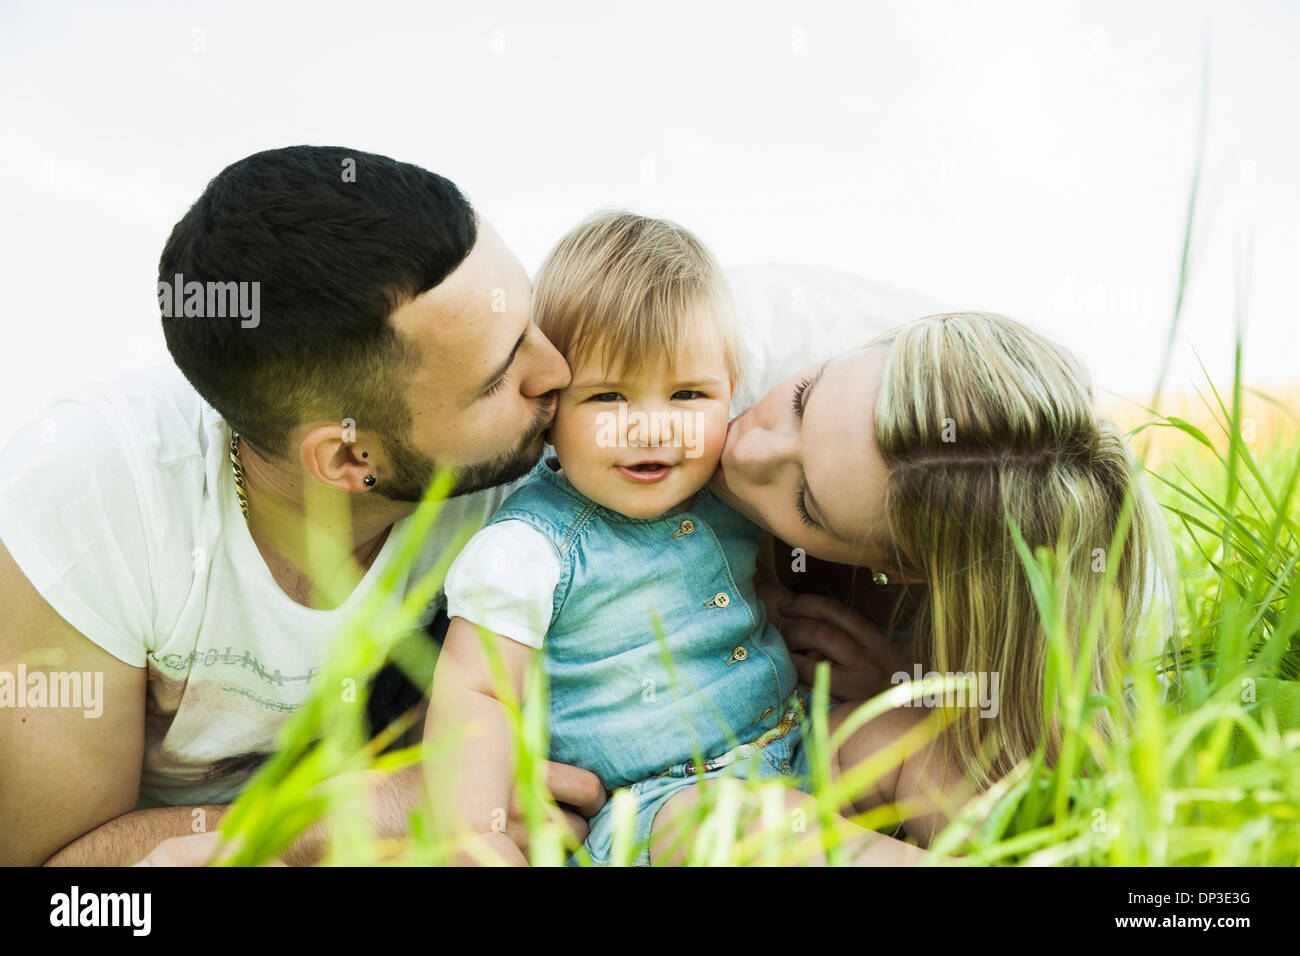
pixel 880 578
pixel 369 480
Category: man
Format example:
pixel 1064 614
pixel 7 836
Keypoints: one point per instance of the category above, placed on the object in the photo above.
pixel 341 325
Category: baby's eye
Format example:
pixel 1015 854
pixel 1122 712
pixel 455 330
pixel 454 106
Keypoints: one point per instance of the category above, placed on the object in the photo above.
pixel 607 397
pixel 687 394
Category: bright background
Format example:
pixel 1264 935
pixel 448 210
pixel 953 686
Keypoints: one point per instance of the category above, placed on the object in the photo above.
pixel 1025 157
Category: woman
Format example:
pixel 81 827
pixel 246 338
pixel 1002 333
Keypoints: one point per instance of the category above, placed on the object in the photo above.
pixel 905 459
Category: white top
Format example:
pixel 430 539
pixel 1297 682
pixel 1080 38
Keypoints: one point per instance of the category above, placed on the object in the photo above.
pixel 504 579
pixel 119 505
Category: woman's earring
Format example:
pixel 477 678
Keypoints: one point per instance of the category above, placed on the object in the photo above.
pixel 880 578
pixel 369 480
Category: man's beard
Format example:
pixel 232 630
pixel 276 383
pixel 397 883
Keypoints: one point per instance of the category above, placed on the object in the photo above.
pixel 412 470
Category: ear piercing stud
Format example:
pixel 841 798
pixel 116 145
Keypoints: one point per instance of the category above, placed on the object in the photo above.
pixel 369 480
pixel 880 578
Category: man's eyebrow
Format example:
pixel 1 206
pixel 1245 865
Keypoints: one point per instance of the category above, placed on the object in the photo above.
pixel 505 366
pixel 809 498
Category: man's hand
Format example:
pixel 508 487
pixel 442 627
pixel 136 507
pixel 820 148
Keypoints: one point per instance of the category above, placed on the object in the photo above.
pixel 193 849
pixel 572 787
pixel 568 785
pixel 393 796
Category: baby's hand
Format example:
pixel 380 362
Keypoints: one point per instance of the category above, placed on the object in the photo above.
pixel 488 849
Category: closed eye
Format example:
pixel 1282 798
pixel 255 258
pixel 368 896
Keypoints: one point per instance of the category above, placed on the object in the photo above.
pixel 798 397
pixel 801 506
pixel 801 499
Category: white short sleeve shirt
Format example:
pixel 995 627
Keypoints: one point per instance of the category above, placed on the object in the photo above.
pixel 504 580
pixel 118 504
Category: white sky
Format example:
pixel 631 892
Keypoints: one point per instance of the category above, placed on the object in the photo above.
pixel 1032 158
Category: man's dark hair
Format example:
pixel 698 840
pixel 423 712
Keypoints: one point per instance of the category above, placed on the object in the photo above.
pixel 337 239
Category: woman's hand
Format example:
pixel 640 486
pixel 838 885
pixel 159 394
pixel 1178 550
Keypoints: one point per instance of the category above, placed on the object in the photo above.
pixel 818 628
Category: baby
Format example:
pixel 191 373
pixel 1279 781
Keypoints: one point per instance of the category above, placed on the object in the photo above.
pixel 618 535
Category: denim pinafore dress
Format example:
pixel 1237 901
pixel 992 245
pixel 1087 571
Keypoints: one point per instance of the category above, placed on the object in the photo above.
pixel 627 702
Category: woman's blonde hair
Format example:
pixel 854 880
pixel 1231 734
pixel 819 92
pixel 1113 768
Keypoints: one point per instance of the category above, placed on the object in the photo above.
pixel 983 422
pixel 631 290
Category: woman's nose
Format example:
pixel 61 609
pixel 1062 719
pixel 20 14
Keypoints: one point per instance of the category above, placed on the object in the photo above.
pixel 758 452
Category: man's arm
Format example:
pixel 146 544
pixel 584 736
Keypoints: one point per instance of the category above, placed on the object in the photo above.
pixel 62 773
pixel 129 838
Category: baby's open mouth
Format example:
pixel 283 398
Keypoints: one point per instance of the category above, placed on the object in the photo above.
pixel 645 471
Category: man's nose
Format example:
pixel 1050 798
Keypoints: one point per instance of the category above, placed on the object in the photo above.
pixel 547 371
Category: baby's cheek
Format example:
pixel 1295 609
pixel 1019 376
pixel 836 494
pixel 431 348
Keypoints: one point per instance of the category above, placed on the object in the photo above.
pixel 710 435
pixel 574 429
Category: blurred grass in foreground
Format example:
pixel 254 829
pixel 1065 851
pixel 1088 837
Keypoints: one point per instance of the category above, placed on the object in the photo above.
pixel 1203 770
pixel 1202 767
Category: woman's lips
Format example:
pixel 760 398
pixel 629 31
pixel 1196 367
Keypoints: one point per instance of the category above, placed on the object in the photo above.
pixel 644 475
pixel 721 470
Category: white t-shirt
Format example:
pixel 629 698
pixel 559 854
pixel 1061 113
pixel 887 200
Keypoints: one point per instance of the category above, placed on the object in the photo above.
pixel 516 604
pixel 119 505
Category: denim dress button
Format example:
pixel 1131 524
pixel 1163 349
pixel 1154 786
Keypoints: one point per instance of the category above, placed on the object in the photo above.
pixel 686 527
pixel 719 600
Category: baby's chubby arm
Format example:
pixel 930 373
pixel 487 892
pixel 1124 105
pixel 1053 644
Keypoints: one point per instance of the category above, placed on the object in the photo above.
pixel 471 767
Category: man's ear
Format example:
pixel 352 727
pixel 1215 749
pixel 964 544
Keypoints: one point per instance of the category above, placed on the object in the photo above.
pixel 330 458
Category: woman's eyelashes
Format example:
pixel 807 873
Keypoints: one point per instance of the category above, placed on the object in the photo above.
pixel 801 505
pixel 496 386
pixel 801 499
pixel 798 397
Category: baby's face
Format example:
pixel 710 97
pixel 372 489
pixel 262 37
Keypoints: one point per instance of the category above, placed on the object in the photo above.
pixel 642 444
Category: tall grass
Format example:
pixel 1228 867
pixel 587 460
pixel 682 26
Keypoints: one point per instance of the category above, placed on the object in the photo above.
pixel 1201 767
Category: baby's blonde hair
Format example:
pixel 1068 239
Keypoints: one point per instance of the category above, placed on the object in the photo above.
pixel 633 291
